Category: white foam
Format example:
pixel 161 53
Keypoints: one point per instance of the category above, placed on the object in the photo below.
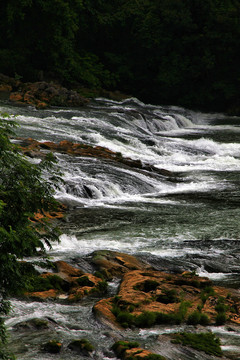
pixel 214 276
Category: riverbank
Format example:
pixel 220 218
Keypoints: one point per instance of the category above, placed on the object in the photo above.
pixel 44 94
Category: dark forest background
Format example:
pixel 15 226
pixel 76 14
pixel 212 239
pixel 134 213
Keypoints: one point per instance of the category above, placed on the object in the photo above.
pixel 181 52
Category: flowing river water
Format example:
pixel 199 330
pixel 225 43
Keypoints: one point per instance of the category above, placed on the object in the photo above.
pixel 188 220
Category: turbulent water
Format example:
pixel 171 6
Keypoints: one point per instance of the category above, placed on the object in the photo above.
pixel 188 220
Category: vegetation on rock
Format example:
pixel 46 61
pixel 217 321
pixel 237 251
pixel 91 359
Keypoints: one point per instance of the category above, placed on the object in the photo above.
pixel 81 346
pixel 129 350
pixel 206 342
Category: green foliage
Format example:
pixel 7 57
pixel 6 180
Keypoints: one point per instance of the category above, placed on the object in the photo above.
pixel 23 192
pixel 197 317
pixel 220 319
pixel 168 296
pixel 81 344
pixel 206 342
pixel 206 292
pixel 84 281
pixel 148 318
pixel 147 285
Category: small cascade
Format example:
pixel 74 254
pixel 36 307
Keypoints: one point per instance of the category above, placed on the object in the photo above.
pixel 178 209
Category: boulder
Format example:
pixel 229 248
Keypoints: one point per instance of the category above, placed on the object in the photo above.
pixel 81 346
pixel 53 347
pixel 116 264
pixel 130 350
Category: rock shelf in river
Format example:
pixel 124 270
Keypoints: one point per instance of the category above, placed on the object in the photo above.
pixel 145 298
pixel 34 148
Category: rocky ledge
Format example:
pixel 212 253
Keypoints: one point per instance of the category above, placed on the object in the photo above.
pixel 145 298
pixel 34 148
pixel 39 94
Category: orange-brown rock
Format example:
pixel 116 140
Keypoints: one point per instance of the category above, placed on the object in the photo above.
pixel 66 271
pixel 103 311
pixel 51 294
pixel 91 151
pixel 131 350
pixel 116 264
pixel 16 97
pixel 84 285
pixel 43 94
pixel 5 88
pixel 158 292
pixel 68 282
pixel 136 353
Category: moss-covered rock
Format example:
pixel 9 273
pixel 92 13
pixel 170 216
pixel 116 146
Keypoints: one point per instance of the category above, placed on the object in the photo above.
pixel 127 350
pixel 81 346
pixel 152 297
pixel 53 347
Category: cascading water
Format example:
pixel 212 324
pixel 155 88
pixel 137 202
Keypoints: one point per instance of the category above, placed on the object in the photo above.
pixel 186 220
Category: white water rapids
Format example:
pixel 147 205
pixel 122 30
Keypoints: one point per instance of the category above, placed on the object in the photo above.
pixel 186 221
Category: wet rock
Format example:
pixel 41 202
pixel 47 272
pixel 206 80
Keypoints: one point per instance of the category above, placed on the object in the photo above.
pixel 82 347
pixel 66 271
pixel 39 94
pixel 130 350
pixel 32 324
pixel 115 264
pixel 68 283
pixel 51 294
pixel 171 350
pixel 70 148
pixel 53 347
pixel 85 285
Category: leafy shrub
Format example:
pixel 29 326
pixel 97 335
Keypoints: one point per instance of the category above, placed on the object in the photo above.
pixel 146 319
pixel 197 318
pixel 220 319
pixel 194 318
pixel 84 281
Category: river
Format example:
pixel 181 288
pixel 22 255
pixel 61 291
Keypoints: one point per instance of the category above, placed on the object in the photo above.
pixel 186 221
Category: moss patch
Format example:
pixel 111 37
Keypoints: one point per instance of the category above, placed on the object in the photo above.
pixel 206 342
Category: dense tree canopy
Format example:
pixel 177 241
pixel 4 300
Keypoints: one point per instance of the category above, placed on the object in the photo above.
pixel 164 51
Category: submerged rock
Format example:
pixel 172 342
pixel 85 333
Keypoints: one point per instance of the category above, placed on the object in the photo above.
pixel 32 324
